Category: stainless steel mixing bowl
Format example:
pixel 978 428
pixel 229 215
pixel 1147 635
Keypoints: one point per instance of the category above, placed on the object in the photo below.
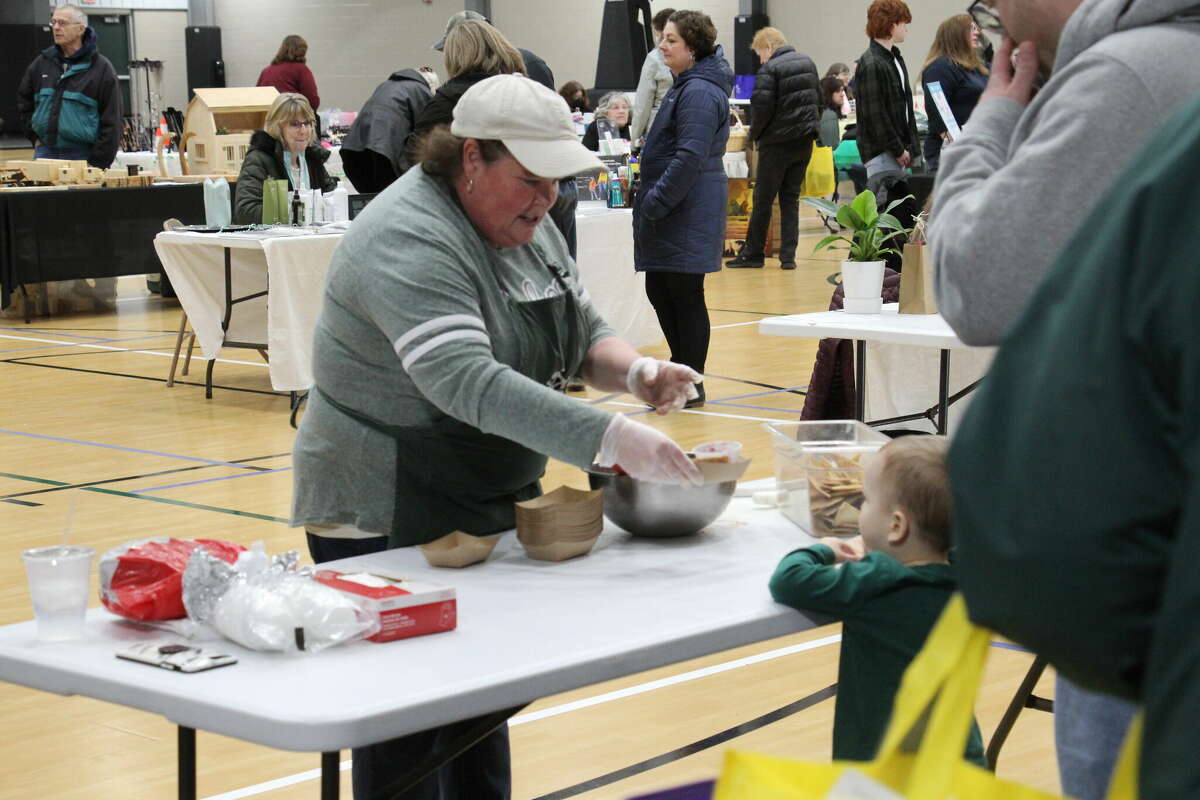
pixel 659 510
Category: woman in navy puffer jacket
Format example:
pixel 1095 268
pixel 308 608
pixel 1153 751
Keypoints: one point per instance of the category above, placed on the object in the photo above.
pixel 679 214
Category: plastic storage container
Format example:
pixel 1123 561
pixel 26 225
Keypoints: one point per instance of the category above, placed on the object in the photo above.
pixel 819 472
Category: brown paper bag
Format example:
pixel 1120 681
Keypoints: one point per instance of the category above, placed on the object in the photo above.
pixel 916 282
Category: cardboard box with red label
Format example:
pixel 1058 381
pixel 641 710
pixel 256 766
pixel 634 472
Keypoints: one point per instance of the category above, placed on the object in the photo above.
pixel 406 608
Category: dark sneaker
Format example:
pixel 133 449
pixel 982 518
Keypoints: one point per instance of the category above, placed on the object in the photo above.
pixel 745 262
pixel 787 264
pixel 698 400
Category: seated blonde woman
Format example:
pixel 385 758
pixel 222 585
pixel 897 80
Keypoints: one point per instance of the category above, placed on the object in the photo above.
pixel 286 149
pixel 612 117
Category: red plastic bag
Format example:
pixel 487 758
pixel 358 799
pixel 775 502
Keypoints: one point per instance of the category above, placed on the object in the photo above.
pixel 144 580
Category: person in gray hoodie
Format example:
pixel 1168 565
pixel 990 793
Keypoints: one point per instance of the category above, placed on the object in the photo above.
pixel 1030 166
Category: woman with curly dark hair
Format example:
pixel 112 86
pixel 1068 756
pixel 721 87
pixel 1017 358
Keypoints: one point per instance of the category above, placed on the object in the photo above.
pixel 679 215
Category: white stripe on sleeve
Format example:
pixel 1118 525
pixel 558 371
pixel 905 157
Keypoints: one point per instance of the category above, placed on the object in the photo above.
pixel 448 321
pixel 437 341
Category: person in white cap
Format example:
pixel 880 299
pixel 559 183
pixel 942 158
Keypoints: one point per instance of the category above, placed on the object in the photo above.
pixel 452 319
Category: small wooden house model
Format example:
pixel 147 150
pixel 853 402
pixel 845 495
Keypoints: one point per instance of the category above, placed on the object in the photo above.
pixel 218 123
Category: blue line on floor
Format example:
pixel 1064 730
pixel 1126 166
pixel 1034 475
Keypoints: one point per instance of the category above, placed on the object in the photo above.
pixel 208 480
pixel 47 332
pixel 124 449
pixel 1010 646
pixel 761 394
pixel 760 408
pixel 70 344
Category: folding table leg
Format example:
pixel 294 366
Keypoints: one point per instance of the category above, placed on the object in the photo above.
pixel 860 380
pixel 187 763
pixel 1024 698
pixel 330 775
pixel 943 419
pixel 178 348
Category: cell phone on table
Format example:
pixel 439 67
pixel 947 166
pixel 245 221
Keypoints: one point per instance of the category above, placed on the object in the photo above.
pixel 176 656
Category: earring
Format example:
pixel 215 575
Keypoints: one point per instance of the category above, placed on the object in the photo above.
pixel 470 185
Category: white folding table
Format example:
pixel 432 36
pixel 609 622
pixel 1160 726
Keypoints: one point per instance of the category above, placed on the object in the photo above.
pixel 274 278
pixel 894 328
pixel 263 289
pixel 527 629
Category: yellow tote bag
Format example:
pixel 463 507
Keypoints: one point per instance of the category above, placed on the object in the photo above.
pixel 819 180
pixel 921 754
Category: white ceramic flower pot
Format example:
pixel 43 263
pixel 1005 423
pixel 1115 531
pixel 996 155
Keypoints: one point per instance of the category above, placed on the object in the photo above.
pixel 863 284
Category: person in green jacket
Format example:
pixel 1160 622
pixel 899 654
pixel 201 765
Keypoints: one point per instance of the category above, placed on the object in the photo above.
pixel 286 149
pixel 1077 468
pixel 888 586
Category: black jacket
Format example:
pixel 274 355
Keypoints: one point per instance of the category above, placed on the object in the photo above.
pixel 440 108
pixel 785 107
pixel 537 69
pixel 962 88
pixel 591 135
pixel 265 161
pixel 385 121
pixel 72 102
pixel 883 104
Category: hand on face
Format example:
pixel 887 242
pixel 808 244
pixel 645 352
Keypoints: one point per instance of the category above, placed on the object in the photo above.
pixel 1005 81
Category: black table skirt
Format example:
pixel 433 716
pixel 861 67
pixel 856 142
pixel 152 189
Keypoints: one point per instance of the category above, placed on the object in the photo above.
pixel 87 233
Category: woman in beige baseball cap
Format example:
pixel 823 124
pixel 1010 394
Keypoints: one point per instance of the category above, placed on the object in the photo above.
pixel 453 319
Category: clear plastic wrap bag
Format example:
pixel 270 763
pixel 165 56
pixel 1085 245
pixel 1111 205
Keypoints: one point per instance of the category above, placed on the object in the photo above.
pixel 269 604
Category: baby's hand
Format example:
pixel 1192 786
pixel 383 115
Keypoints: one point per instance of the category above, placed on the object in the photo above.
pixel 844 549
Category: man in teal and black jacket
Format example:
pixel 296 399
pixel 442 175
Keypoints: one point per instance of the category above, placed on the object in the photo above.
pixel 69 102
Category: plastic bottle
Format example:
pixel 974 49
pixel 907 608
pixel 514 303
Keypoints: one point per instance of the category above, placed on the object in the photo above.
pixel 341 204
pixel 297 215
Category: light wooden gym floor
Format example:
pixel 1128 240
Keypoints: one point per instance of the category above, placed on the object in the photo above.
pixel 92 434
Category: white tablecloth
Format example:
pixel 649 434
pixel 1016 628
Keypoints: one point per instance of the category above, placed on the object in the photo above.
pixel 147 162
pixel 605 249
pixel 292 268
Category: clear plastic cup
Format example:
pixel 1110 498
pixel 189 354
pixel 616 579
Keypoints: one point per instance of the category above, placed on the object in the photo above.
pixel 58 585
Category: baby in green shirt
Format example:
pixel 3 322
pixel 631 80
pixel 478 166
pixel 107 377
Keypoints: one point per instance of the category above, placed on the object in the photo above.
pixel 888 586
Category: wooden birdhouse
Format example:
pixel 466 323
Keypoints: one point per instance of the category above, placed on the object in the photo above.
pixel 218 124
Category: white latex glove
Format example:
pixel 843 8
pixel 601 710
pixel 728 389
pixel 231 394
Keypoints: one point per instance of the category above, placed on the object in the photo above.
pixel 645 453
pixel 662 384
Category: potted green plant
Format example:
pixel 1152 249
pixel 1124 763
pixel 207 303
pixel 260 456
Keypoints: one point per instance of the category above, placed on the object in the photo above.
pixel 871 234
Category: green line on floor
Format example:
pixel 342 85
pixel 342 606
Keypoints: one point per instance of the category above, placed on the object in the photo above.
pixel 166 500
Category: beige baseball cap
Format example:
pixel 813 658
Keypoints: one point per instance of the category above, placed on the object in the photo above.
pixel 455 19
pixel 531 120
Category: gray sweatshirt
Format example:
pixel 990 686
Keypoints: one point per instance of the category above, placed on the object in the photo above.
pixel 655 81
pixel 411 331
pixel 1012 191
